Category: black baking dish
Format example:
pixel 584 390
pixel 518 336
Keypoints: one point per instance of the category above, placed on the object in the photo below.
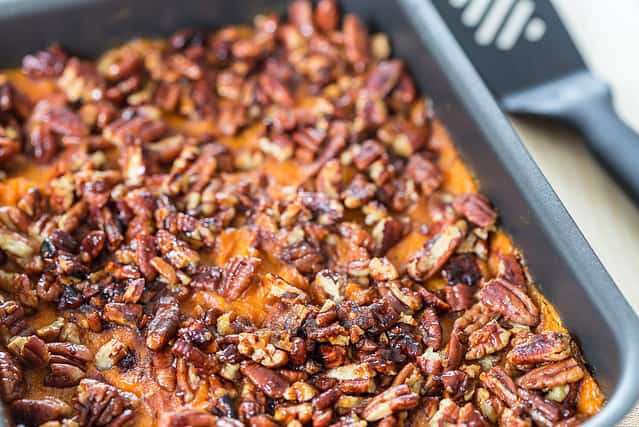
pixel 565 268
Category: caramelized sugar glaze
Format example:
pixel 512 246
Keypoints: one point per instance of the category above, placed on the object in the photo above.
pixel 264 226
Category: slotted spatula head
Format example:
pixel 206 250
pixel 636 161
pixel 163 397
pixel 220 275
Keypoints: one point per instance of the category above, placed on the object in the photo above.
pixel 514 44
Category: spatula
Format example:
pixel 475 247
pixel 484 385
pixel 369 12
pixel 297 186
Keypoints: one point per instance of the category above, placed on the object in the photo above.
pixel 527 59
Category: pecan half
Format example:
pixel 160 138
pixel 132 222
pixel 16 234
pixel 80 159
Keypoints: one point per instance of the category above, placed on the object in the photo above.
pixel 164 324
pixel 532 349
pixel 431 328
pixel 12 384
pixel 507 299
pixel 554 374
pixel 487 340
pixel 476 209
pixel 37 412
pixel 427 261
pixel 393 399
pixel 238 275
pixel 100 404
pixel 270 382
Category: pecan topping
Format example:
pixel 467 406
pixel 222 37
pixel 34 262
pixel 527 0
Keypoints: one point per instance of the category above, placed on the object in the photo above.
pixel 37 412
pixel 431 328
pixel 476 209
pixel 547 376
pixel 427 261
pixel 505 298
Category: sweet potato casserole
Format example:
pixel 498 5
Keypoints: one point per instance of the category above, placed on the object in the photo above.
pixel 264 225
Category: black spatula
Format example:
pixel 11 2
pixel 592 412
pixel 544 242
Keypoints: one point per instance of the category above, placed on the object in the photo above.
pixel 526 57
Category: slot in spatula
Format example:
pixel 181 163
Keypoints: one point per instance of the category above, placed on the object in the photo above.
pixel 526 57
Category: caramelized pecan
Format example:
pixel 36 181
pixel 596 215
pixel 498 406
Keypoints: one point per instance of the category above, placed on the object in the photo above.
pixel 427 261
pixel 164 324
pixel 532 349
pixel 238 275
pixel 37 412
pixel 487 340
pixel 476 209
pixel 505 298
pixel 101 404
pixel 552 375
pixel 267 380
pixel 12 386
pixel 394 399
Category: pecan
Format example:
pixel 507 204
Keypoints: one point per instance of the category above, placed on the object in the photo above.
pixel 300 391
pixel 37 412
pixel 300 14
pixel 355 41
pixel 487 340
pixel 100 404
pixel 203 361
pixel 257 348
pixel 81 81
pixel 63 375
pixel 510 301
pixel 326 15
pixel 271 383
pixel 45 63
pixel 542 411
pixel 497 381
pixel 461 269
pixel 164 324
pixel 447 413
pixel 31 350
pixel 455 351
pixel 194 418
pixel 459 297
pixel 59 119
pixel 305 257
pixel 456 384
pixel 552 375
pixel 510 269
pixel 238 274
pixel 431 328
pixel 383 77
pixel 110 354
pixel 394 399
pixel 12 386
pixel 471 417
pixel 476 209
pixel 70 353
pixel 533 349
pixel 12 317
pixel 428 260
pixel 124 314
pixel 8 147
pixel 387 233
pixel 424 172
pixel 510 418
pixel 473 319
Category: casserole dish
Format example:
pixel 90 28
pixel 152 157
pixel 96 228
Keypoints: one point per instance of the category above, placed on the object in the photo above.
pixel 569 274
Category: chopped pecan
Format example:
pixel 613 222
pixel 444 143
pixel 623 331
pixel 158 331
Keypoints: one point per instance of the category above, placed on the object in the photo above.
pixel 552 375
pixel 510 418
pixel 510 301
pixel 487 340
pixel 455 351
pixel 544 347
pixel 326 15
pixel 12 386
pixel 257 347
pixel 110 354
pixel 164 324
pixel 456 384
pixel 203 361
pixel 270 382
pixel 305 257
pixel 476 209
pixel 471 417
pixel 70 353
pixel 238 274
pixel 387 233
pixel 427 261
pixel 355 41
pixel 124 314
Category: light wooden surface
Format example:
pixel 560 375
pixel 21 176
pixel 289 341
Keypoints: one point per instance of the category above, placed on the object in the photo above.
pixel 606 33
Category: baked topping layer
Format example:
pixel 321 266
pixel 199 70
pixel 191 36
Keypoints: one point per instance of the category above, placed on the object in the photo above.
pixel 261 225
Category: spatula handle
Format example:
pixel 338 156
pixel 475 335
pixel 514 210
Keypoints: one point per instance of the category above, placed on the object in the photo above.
pixel 585 102
pixel 614 143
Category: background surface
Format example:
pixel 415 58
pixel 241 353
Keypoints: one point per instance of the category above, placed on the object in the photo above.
pixel 606 33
